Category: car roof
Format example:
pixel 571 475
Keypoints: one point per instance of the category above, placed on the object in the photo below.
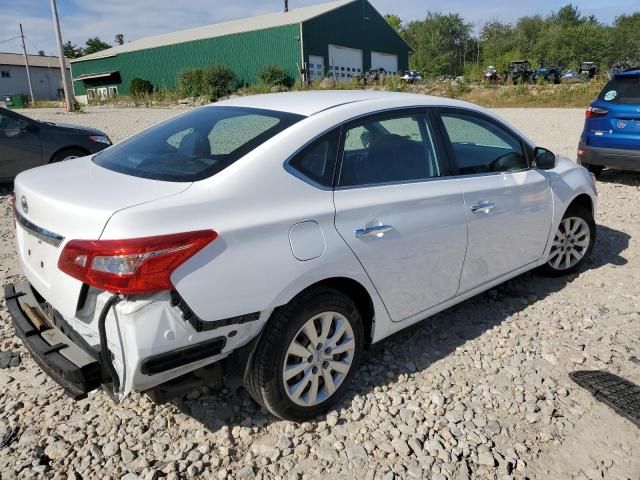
pixel 312 102
pixel 634 72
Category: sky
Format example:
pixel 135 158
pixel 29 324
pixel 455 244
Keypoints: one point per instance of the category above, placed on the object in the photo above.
pixel 81 19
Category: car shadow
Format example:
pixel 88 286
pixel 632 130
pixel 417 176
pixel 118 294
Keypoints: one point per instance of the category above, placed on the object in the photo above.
pixel 417 347
pixel 6 188
pixel 631 179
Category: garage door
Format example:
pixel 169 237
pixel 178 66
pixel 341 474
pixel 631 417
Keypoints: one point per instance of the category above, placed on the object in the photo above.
pixel 387 61
pixel 316 67
pixel 344 63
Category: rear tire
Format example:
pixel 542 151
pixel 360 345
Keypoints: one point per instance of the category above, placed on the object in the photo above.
pixel 595 169
pixel 68 154
pixel 572 243
pixel 295 372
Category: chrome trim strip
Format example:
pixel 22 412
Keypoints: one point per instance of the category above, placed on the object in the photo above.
pixel 41 233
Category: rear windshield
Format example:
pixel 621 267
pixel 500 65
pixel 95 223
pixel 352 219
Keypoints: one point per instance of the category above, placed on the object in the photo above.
pixel 622 90
pixel 195 145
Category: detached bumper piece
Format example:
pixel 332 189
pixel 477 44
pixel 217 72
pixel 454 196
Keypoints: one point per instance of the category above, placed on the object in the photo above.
pixel 620 394
pixel 73 368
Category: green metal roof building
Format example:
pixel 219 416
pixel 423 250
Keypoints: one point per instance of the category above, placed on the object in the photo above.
pixel 342 38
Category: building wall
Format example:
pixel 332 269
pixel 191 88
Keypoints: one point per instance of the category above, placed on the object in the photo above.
pixel 245 53
pixel 356 25
pixel 45 82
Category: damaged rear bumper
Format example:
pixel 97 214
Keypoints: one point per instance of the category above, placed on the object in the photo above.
pixel 75 369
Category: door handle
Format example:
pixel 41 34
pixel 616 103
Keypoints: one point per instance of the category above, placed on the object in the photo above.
pixel 377 231
pixel 483 207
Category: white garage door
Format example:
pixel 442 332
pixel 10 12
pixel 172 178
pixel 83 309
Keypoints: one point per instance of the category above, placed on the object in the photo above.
pixel 387 61
pixel 344 63
pixel 316 67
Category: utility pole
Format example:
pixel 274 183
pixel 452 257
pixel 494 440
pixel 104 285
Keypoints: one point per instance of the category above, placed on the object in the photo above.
pixel 26 64
pixel 66 84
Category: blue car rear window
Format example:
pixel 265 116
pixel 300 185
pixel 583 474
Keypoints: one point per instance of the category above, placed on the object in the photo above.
pixel 625 90
pixel 195 145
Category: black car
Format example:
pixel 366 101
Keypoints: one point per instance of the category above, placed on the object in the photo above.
pixel 26 143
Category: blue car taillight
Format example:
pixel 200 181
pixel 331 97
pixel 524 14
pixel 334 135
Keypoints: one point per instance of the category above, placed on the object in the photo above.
pixel 595 112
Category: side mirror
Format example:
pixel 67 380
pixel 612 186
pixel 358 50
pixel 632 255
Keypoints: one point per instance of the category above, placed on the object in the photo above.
pixel 545 159
pixel 28 127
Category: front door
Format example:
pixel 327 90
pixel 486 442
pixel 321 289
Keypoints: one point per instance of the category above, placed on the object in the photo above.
pixel 399 213
pixel 508 205
pixel 19 145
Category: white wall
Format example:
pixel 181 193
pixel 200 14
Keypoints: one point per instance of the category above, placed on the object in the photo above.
pixel 45 82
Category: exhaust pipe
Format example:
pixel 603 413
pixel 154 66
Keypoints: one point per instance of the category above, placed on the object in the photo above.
pixel 286 6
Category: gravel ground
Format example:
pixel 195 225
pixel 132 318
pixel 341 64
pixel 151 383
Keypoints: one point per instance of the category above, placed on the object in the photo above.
pixel 479 391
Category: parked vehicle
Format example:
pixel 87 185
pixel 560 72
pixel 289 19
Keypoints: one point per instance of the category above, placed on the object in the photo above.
pixel 260 237
pixel 611 134
pixel 374 75
pixel 491 75
pixel 548 74
pixel 570 75
pixel 26 143
pixel 588 69
pixel 411 76
pixel 519 71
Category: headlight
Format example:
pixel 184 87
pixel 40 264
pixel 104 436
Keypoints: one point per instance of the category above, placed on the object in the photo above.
pixel 101 139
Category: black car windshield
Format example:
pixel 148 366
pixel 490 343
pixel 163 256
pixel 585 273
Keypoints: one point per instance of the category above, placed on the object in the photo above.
pixel 195 145
pixel 622 90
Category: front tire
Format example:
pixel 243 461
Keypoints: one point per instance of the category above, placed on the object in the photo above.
pixel 307 355
pixel 572 243
pixel 68 154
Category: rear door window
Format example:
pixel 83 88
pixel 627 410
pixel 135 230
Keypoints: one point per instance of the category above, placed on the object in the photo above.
pixel 396 149
pixel 625 90
pixel 195 145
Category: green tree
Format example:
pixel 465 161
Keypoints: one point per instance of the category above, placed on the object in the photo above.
pixel 395 21
pixel 71 51
pixel 95 45
pixel 442 43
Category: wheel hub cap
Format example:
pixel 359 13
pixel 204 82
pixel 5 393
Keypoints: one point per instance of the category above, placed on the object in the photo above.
pixel 318 359
pixel 570 243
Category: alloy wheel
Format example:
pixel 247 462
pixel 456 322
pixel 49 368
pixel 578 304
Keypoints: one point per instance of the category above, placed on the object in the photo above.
pixel 570 243
pixel 318 359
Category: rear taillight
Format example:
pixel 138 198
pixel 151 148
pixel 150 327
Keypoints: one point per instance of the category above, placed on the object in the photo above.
pixel 595 112
pixel 138 265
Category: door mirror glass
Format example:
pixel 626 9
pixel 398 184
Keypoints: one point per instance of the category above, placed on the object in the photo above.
pixel 545 159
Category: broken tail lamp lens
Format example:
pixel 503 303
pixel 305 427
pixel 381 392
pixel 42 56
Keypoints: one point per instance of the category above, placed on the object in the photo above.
pixel 133 266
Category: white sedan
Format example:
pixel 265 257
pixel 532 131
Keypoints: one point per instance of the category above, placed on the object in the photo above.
pixel 269 239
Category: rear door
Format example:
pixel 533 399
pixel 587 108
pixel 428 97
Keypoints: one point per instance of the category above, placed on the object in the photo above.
pixel 20 147
pixel 620 127
pixel 398 211
pixel 508 204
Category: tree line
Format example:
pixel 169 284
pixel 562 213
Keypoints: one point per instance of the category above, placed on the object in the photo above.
pixel 92 45
pixel 445 44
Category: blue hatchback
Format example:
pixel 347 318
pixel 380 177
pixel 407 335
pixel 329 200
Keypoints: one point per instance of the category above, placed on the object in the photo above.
pixel 611 135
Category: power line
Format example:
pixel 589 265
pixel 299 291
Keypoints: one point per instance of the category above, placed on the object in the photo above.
pixel 9 39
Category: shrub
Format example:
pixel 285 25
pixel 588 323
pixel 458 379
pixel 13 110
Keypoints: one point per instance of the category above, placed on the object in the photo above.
pixel 190 82
pixel 140 86
pixel 275 76
pixel 218 81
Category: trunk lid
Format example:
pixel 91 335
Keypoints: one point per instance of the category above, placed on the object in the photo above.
pixel 71 200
